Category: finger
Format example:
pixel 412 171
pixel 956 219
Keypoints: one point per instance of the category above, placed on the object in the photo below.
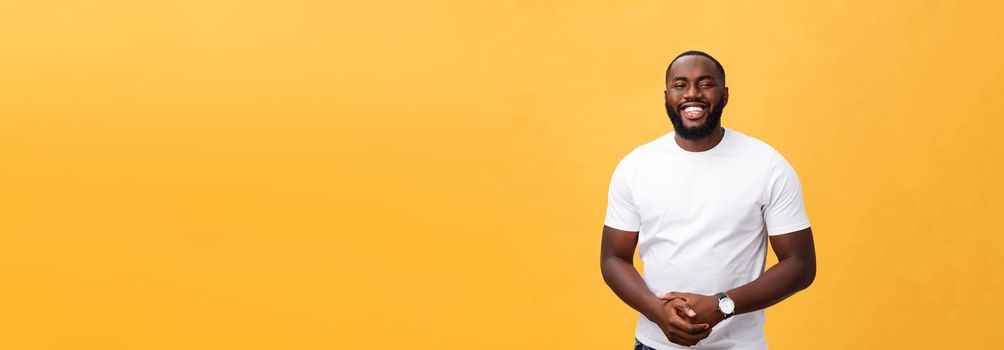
pixel 691 320
pixel 685 308
pixel 678 336
pixel 679 295
pixel 684 316
pixel 702 335
pixel 687 339
pixel 667 296
pixel 677 340
pixel 680 323
pixel 689 310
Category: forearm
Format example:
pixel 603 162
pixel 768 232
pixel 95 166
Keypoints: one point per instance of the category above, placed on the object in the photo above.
pixel 777 283
pixel 625 281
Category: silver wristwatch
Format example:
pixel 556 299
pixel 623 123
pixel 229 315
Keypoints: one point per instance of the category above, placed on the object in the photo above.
pixel 726 305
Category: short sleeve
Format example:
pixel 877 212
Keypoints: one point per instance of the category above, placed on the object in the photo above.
pixel 622 214
pixel 784 211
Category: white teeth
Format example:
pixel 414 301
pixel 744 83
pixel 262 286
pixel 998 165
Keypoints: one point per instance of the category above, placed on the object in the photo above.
pixel 693 109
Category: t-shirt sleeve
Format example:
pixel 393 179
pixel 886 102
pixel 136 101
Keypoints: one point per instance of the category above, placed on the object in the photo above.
pixel 784 211
pixel 622 214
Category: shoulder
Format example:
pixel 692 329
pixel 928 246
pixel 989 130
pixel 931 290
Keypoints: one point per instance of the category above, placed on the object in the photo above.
pixel 647 151
pixel 753 145
pixel 764 155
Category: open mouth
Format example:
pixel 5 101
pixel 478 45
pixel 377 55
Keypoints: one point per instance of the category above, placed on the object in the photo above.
pixel 693 112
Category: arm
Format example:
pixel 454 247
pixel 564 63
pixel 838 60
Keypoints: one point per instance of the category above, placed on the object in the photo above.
pixel 617 266
pixel 795 270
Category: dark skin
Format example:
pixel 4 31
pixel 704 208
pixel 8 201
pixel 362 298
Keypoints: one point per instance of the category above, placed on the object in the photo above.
pixel 617 265
pixel 694 81
pixel 795 270
pixel 687 318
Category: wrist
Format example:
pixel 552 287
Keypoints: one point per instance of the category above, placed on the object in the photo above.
pixel 655 310
pixel 726 306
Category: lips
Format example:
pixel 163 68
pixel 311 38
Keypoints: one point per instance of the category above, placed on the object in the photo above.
pixel 692 111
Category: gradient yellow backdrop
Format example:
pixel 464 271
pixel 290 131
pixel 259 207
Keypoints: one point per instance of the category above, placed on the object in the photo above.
pixel 433 175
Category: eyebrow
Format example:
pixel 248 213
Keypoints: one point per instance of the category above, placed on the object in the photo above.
pixel 698 78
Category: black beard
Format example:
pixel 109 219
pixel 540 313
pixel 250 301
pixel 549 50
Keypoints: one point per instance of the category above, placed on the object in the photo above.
pixel 699 132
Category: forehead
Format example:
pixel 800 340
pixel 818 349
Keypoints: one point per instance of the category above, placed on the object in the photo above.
pixel 693 67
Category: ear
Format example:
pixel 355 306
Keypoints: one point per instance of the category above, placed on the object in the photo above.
pixel 725 96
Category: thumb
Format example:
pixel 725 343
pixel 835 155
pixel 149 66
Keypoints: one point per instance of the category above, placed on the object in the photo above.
pixel 690 311
pixel 686 308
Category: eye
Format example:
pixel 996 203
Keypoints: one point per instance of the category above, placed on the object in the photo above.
pixel 707 85
pixel 679 85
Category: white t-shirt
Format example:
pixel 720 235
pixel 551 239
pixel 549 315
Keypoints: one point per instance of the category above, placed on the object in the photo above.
pixel 703 219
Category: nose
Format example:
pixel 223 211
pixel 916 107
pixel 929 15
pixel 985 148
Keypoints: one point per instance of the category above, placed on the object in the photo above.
pixel 692 92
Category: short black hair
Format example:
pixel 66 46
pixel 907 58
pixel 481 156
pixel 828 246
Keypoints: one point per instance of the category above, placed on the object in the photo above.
pixel 721 70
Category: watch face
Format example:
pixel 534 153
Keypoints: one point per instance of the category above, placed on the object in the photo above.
pixel 726 305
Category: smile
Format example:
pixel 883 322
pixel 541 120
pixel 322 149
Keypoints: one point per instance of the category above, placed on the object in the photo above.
pixel 693 112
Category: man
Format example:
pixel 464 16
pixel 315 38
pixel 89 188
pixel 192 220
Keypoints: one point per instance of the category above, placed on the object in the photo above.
pixel 701 203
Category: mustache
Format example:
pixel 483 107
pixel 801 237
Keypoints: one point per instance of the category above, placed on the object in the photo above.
pixel 706 103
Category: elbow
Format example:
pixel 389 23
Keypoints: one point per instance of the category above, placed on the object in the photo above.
pixel 610 266
pixel 606 264
pixel 603 267
pixel 808 274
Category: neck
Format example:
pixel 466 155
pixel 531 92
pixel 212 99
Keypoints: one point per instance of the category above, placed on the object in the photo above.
pixel 701 144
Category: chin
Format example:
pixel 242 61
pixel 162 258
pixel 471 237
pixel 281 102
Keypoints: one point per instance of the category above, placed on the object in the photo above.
pixel 693 130
pixel 695 125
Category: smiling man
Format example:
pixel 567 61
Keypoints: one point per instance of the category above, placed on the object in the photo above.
pixel 700 203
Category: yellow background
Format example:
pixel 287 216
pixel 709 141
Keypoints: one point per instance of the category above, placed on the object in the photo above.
pixel 291 174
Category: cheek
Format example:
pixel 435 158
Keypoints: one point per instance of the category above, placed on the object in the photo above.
pixel 673 98
pixel 721 96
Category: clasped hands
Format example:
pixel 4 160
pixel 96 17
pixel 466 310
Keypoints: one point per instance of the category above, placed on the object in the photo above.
pixel 688 317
